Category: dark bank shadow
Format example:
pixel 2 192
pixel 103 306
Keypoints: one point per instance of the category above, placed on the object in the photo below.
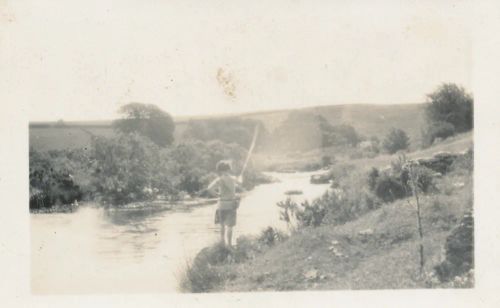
pixel 133 228
pixel 126 217
pixel 132 221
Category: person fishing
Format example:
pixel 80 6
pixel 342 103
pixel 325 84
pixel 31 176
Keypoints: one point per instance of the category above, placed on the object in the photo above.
pixel 226 211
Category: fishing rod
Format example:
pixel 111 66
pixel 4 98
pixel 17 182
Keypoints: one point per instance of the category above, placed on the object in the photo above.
pixel 250 150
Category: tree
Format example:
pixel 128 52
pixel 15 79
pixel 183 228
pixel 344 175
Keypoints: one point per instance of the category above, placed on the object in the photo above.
pixel 60 123
pixel 124 167
pixel 337 135
pixel 450 103
pixel 147 120
pixel 396 140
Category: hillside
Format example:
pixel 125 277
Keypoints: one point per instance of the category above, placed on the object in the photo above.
pixel 368 120
pixel 373 248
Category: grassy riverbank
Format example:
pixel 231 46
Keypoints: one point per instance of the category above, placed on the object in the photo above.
pixel 366 247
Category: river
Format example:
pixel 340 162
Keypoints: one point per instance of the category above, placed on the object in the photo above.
pixel 94 250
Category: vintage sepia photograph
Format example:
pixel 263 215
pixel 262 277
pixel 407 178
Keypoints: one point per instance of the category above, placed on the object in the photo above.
pixel 215 147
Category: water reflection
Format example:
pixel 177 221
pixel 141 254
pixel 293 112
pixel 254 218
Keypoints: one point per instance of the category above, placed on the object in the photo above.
pixel 141 250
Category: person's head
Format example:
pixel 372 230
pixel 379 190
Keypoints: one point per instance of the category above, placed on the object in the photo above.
pixel 223 167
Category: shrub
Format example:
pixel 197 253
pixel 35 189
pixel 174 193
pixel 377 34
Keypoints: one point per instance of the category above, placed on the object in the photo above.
pixel 305 215
pixel 396 140
pixel 424 176
pixel 424 179
pixel 333 207
pixel 347 203
pixel 52 178
pixel 312 214
pixel 390 188
pixel 435 130
pixel 287 213
pixel 347 199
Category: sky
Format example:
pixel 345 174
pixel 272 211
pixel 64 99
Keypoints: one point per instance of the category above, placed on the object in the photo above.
pixel 82 60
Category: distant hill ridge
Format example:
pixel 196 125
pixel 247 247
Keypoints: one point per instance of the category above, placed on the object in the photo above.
pixel 367 119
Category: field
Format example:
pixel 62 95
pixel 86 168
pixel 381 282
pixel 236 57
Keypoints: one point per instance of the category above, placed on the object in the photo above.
pixel 58 138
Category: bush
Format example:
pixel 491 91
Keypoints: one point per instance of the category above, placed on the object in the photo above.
pixel 424 177
pixel 435 130
pixel 389 188
pixel 333 207
pixel 311 214
pixel 53 179
pixel 304 215
pixel 396 140
pixel 397 184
